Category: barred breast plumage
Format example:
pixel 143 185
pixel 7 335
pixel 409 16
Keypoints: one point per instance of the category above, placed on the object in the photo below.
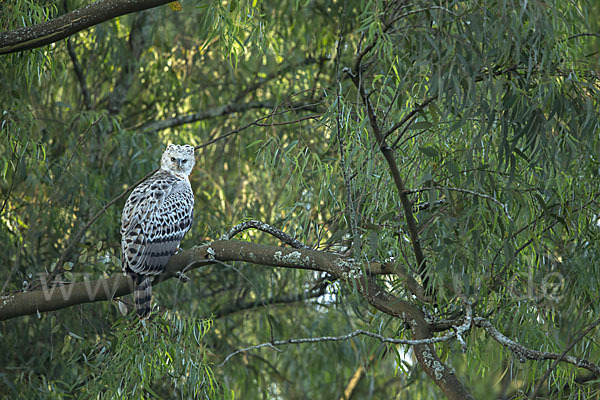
pixel 156 216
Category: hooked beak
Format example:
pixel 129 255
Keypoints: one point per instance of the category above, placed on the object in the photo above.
pixel 179 163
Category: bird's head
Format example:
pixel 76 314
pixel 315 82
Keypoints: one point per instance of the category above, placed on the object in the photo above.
pixel 178 159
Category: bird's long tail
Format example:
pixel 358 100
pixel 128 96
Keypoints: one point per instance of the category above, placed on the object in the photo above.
pixel 142 295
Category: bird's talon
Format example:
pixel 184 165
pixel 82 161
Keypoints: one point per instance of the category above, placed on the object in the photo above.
pixel 182 277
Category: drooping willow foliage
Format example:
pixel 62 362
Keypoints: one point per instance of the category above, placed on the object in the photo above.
pixel 490 110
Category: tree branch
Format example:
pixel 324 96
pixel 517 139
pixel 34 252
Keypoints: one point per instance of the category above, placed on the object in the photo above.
pixel 66 25
pixel 287 299
pixel 390 158
pixel 139 36
pixel 347 336
pixel 426 354
pixel 577 339
pixel 156 126
pixel 87 99
pixel 59 296
pixel 279 234
pixel 406 118
pixel 525 354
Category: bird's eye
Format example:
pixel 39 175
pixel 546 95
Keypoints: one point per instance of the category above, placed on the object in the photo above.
pixel 172 159
pixel 184 161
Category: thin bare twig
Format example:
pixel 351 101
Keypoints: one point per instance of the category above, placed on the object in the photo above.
pixel 525 354
pixel 256 122
pixel 409 342
pixel 346 172
pixel 314 116
pixel 471 192
pixel 87 99
pixel 271 230
pixel 584 34
pixel 538 387
pixel 406 118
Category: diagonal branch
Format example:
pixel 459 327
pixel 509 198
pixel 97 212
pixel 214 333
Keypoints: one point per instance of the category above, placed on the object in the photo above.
pixel 347 336
pixel 426 354
pixel 156 126
pixel 87 99
pixel 285 299
pixel 390 158
pixel 66 25
pixel 525 354
pixel 139 36
pixel 407 117
pixel 579 337
pixel 278 233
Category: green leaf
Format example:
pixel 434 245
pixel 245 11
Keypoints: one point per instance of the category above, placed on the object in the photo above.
pixel 429 151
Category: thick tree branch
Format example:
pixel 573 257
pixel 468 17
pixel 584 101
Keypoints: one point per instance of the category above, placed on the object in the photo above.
pixel 66 25
pixel 67 295
pixel 51 298
pixel 426 353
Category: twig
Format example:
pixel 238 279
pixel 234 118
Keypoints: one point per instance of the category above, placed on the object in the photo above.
pixel 346 172
pixel 390 158
pixel 214 112
pixel 314 116
pixel 538 387
pixel 525 354
pixel 471 192
pixel 350 335
pixel 312 293
pixel 407 117
pixel 87 100
pixel 582 35
pixel 256 122
pixel 55 190
pixel 279 234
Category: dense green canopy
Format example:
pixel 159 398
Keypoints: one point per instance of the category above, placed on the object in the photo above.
pixel 457 142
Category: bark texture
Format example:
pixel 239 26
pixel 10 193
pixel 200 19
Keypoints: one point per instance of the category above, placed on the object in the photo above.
pixel 64 26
